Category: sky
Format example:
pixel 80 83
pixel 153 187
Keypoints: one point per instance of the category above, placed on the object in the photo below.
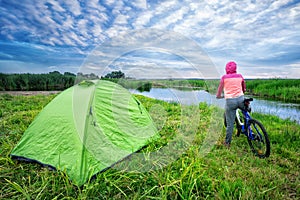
pixel 151 39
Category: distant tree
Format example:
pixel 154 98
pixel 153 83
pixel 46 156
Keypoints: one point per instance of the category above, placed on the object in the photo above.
pixel 144 86
pixel 81 77
pixel 55 72
pixel 115 74
pixel 79 74
pixel 69 74
pixel 93 76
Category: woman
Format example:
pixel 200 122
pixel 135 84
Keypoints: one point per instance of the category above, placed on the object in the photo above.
pixel 234 86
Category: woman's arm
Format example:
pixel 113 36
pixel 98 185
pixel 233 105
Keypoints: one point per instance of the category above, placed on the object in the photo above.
pixel 220 88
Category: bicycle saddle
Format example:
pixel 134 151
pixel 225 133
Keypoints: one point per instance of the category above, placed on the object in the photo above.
pixel 247 104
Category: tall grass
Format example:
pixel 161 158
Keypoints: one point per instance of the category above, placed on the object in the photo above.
pixel 223 173
pixel 279 89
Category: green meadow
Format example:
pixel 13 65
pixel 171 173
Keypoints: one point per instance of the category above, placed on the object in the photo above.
pixel 221 173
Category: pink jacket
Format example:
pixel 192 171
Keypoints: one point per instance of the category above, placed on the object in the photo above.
pixel 232 83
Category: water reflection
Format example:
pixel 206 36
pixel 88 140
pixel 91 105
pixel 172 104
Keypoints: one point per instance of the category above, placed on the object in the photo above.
pixel 282 110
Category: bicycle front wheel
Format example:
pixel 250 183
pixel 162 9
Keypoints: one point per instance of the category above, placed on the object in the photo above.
pixel 259 142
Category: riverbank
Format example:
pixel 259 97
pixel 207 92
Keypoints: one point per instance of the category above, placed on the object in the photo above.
pixel 222 173
pixel 286 90
pixel 194 97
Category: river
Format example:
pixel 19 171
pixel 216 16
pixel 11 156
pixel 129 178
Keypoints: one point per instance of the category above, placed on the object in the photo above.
pixel 283 110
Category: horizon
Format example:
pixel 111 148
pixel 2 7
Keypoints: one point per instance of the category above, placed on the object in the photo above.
pixel 132 78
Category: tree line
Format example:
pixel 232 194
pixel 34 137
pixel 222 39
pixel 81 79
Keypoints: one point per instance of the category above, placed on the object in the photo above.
pixel 36 82
pixel 48 81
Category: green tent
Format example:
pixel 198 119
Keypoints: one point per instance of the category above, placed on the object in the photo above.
pixel 86 129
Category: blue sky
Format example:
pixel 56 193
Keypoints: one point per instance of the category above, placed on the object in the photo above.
pixel 39 36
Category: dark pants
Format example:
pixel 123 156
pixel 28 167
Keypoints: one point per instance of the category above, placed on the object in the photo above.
pixel 230 109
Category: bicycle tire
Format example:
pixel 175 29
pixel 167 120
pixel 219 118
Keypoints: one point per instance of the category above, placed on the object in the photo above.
pixel 260 145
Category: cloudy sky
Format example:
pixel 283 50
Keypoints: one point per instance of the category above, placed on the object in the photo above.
pixel 174 38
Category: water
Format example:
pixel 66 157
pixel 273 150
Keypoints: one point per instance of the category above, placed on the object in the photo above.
pixel 282 110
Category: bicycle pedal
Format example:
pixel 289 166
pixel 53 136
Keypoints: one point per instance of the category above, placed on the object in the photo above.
pixel 259 152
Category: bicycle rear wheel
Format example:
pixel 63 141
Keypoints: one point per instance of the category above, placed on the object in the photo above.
pixel 260 144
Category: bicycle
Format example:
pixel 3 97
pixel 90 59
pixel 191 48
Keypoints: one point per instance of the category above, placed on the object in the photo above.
pixel 253 129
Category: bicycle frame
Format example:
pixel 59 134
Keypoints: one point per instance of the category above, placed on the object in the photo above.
pixel 246 129
pixel 246 126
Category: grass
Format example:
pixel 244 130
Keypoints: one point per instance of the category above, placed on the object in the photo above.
pixel 287 90
pixel 222 173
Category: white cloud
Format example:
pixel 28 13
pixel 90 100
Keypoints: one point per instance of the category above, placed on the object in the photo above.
pixel 74 7
pixel 77 40
pixel 56 6
pixel 109 2
pixel 82 24
pixel 140 4
pixel 277 4
pixel 142 20
pixel 97 31
pixel 294 70
pixel 116 30
pixel 68 23
pixel 295 13
pixel 172 18
pixel 67 40
pixel 117 8
pixel 166 6
pixel 95 5
pixel 121 20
